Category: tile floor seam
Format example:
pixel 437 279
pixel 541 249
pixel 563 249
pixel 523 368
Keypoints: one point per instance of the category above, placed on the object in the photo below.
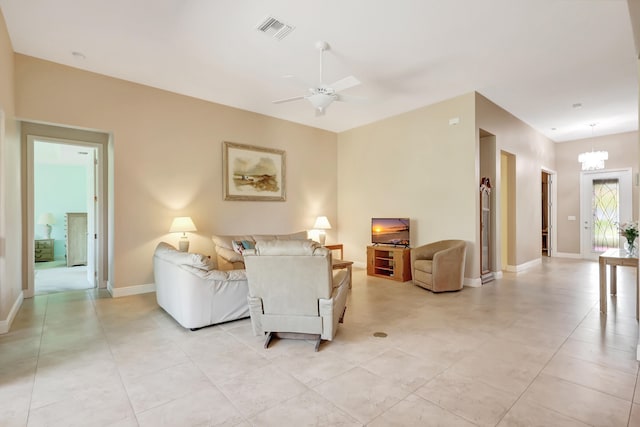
pixel 214 385
pixel 583 386
pixel 109 345
pixel 635 389
pixel 544 367
pixel 253 414
pixel 596 306
pixel 35 373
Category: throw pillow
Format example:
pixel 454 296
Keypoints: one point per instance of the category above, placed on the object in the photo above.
pixel 240 245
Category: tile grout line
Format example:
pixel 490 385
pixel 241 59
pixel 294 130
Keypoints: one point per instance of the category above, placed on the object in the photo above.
pixel 106 338
pixel 546 364
pixel 35 373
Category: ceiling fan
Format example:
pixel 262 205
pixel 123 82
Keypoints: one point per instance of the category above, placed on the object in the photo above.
pixel 323 95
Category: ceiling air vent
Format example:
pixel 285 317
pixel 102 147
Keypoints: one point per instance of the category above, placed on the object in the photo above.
pixel 273 27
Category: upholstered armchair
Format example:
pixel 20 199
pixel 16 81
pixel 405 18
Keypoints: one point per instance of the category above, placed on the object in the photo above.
pixel 439 266
pixel 293 292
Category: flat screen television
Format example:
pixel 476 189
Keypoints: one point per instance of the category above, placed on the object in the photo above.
pixel 390 231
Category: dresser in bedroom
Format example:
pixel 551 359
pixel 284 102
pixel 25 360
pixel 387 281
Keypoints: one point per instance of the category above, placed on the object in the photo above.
pixel 76 238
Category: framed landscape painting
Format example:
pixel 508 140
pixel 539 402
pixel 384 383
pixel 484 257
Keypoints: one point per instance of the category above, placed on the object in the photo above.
pixel 253 173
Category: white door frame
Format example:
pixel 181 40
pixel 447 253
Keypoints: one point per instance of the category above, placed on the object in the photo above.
pixel 624 176
pixel 553 213
pixel 100 222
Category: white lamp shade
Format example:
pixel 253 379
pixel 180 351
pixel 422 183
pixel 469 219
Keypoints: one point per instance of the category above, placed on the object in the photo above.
pixel 322 223
pixel 320 100
pixel 46 218
pixel 182 224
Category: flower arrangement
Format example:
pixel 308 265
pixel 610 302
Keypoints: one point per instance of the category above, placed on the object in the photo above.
pixel 630 231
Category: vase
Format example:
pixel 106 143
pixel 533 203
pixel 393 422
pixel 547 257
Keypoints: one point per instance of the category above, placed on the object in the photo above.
pixel 630 247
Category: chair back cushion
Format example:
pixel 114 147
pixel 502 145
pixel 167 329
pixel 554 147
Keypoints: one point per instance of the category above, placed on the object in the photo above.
pixel 289 276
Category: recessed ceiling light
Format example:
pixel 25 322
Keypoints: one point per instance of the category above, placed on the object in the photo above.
pixel 78 55
pixel 577 105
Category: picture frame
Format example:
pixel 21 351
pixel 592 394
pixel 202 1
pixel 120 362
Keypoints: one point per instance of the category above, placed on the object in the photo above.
pixel 252 173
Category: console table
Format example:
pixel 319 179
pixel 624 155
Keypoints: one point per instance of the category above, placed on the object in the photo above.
pixel 613 258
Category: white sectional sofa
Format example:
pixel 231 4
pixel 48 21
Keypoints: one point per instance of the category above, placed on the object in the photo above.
pixel 193 292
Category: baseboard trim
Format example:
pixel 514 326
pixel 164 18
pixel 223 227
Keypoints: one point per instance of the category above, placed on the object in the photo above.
pixel 472 283
pixel 5 325
pixel 521 267
pixel 130 290
pixel 497 274
pixel 567 255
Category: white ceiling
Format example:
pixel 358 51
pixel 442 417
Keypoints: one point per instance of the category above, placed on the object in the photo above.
pixel 535 58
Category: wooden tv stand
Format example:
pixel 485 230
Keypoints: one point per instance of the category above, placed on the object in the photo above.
pixel 389 262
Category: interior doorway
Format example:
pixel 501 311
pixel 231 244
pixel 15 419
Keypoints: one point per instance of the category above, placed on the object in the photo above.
pixel 547 205
pixel 605 201
pixel 507 211
pixel 64 203
pixel 64 193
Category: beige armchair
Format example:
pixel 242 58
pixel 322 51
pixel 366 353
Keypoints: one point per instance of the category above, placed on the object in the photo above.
pixel 293 292
pixel 439 266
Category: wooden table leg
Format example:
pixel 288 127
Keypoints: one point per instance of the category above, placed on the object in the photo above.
pixel 614 279
pixel 637 293
pixel 350 275
pixel 603 285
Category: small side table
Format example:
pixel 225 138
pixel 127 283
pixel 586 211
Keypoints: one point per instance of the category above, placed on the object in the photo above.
pixel 336 247
pixel 43 250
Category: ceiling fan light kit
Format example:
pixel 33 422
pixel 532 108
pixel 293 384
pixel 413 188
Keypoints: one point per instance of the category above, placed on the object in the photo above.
pixel 323 95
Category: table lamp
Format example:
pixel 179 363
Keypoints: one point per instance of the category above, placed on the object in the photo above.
pixel 46 219
pixel 322 223
pixel 182 224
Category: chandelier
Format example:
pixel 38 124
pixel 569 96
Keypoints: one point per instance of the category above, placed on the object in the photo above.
pixel 593 160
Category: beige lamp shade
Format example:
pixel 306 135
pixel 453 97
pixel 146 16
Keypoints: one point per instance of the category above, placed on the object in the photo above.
pixel 46 218
pixel 322 223
pixel 182 224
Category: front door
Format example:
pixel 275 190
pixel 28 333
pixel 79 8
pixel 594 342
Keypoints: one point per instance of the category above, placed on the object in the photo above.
pixel 605 203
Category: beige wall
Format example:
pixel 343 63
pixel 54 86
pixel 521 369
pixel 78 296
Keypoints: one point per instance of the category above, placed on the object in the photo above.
pixel 167 152
pixel 10 230
pixel 532 152
pixel 623 153
pixel 413 165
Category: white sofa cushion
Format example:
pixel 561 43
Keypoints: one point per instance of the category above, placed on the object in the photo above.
pixel 287 247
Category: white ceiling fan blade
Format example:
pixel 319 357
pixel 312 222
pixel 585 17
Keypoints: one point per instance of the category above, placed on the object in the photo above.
pixel 297 81
pixel 344 83
pixel 350 98
pixel 295 98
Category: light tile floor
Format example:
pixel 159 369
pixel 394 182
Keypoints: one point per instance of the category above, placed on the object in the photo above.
pixel 528 350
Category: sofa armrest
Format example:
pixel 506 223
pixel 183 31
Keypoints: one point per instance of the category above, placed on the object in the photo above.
pixel 219 275
pixel 340 278
pixel 331 309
